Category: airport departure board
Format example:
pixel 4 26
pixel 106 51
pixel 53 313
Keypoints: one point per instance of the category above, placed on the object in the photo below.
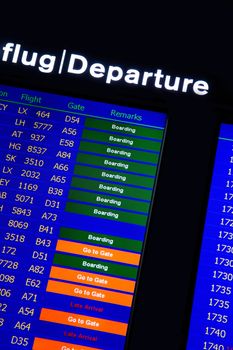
pixel 212 312
pixel 77 180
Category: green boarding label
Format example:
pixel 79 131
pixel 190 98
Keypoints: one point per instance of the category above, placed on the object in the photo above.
pixel 117 164
pixel 110 175
pixel 121 140
pixel 106 213
pixel 109 188
pixel 110 201
pixel 114 151
pixel 121 127
pixel 101 239
pixel 95 265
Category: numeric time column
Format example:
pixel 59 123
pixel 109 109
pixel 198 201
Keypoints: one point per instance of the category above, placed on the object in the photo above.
pixel 212 312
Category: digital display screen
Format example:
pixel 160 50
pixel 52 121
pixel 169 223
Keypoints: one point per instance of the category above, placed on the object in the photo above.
pixel 76 187
pixel 212 313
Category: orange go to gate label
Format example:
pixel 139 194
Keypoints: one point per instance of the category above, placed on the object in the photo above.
pixel 89 293
pixel 98 252
pixel 92 279
pixel 75 320
pixel 46 344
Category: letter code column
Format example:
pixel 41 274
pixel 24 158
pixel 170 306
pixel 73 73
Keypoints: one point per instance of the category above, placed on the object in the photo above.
pixel 35 173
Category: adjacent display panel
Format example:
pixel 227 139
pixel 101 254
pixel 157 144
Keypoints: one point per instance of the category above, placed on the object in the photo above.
pixel 212 311
pixel 76 185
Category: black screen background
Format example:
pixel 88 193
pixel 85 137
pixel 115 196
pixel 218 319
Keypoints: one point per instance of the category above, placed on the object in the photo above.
pixel 193 42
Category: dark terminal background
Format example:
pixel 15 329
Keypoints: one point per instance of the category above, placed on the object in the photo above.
pixel 191 41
